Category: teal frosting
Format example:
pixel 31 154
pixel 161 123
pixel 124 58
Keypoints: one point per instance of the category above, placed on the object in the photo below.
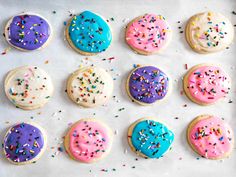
pixel 151 138
pixel 90 33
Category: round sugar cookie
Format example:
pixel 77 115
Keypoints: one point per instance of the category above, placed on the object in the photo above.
pixel 209 32
pixel 24 143
pixel 205 84
pixel 28 31
pixel 88 33
pixel 90 86
pixel 210 137
pixel 88 140
pixel 149 138
pixel 147 85
pixel 148 34
pixel 28 87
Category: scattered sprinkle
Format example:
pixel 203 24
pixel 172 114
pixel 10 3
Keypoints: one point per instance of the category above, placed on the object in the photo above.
pixel 6 50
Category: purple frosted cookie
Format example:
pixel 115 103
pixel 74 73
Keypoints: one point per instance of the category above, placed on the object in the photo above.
pixel 147 84
pixel 24 143
pixel 27 31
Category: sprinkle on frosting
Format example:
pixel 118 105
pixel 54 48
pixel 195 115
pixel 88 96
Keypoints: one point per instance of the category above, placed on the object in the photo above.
pixel 210 32
pixel 149 33
pixel 207 84
pixel 23 142
pixel 89 32
pixel 211 137
pixel 148 84
pixel 28 31
pixel 89 140
pixel 151 138
pixel 90 86
pixel 28 87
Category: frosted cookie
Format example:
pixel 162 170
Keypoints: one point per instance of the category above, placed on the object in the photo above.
pixel 28 31
pixel 149 138
pixel 147 84
pixel 210 137
pixel 205 84
pixel 209 32
pixel 88 33
pixel 148 34
pixel 24 143
pixel 88 140
pixel 28 87
pixel 90 86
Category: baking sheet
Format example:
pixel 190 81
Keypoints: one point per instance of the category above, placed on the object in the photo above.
pixel 62 60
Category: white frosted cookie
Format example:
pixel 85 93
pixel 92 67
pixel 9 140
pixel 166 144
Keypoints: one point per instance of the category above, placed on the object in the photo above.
pixel 209 32
pixel 90 86
pixel 28 87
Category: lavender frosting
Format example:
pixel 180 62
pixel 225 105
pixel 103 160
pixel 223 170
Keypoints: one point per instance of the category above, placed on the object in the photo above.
pixel 23 142
pixel 28 32
pixel 148 84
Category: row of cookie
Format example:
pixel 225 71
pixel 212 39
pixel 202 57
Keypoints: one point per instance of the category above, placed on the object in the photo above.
pixel 30 87
pixel 89 140
pixel 89 34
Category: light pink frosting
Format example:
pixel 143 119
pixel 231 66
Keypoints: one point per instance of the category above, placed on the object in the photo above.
pixel 89 140
pixel 149 33
pixel 207 84
pixel 211 137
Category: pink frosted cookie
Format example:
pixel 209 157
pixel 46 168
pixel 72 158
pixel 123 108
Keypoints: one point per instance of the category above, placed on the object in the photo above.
pixel 210 137
pixel 148 34
pixel 205 84
pixel 88 140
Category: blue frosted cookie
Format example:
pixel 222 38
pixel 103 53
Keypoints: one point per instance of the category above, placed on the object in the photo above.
pixel 149 138
pixel 88 33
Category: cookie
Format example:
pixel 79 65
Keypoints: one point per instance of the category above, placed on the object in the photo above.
pixel 24 143
pixel 147 85
pixel 28 31
pixel 148 34
pixel 90 86
pixel 88 33
pixel 149 138
pixel 88 140
pixel 28 87
pixel 210 137
pixel 209 32
pixel 205 84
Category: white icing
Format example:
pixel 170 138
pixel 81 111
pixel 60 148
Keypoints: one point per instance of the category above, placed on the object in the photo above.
pixel 28 87
pixel 215 26
pixel 90 86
